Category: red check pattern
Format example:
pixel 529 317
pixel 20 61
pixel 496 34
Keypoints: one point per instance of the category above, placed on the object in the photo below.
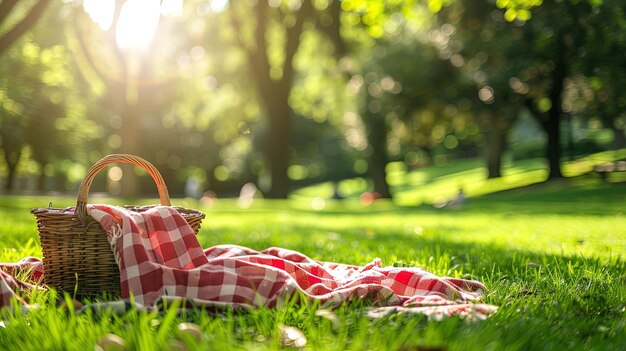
pixel 28 269
pixel 159 257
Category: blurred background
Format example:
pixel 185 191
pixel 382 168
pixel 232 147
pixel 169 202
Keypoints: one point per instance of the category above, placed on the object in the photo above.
pixel 275 97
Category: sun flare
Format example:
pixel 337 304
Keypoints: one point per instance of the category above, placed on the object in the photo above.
pixel 137 23
pixel 100 11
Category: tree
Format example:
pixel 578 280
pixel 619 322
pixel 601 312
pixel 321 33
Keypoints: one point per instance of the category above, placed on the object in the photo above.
pixel 396 92
pixel 35 111
pixel 137 73
pixel 525 62
pixel 270 43
pixel 490 53
pixel 380 19
pixel 12 145
pixel 272 76
pixel 41 107
pixel 11 135
pixel 566 37
pixel 604 66
pixel 7 7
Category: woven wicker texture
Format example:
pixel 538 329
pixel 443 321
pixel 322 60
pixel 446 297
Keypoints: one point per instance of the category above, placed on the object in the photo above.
pixel 77 257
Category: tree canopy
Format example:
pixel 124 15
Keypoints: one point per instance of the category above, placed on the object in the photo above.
pixel 288 93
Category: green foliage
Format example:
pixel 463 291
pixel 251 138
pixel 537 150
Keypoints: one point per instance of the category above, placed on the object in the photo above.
pixel 518 9
pixel 430 79
pixel 42 109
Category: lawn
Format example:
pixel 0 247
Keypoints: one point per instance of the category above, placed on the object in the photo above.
pixel 552 256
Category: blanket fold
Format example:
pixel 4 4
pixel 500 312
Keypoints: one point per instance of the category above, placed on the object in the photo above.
pixel 159 255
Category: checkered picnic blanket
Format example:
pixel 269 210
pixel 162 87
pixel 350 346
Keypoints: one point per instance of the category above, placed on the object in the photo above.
pixel 159 256
pixel 14 276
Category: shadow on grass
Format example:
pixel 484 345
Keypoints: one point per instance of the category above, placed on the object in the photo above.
pixel 547 301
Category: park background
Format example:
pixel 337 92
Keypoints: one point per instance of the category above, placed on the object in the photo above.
pixel 285 94
pixel 354 117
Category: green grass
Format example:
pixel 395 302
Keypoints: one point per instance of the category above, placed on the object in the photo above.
pixel 552 256
pixel 435 184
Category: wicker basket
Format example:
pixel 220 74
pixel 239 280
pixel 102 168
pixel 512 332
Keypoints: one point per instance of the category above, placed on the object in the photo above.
pixel 77 257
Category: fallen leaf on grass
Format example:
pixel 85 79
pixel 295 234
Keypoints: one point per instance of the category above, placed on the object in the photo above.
pixel 111 342
pixel 332 317
pixel 190 329
pixel 292 336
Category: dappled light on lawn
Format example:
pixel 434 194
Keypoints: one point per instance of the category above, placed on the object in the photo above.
pixel 553 270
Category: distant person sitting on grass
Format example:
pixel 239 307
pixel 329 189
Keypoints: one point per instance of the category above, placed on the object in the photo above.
pixel 336 193
pixel 455 202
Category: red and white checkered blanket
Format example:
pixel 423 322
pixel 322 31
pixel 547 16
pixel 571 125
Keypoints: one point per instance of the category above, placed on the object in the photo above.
pixel 159 255
pixel 19 276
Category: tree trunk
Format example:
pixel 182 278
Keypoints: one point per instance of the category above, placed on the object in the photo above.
pixel 130 145
pixel 41 177
pixel 571 145
pixel 134 100
pixel 553 131
pixel 554 147
pixel 497 139
pixel 27 22
pixel 60 181
pixel 378 159
pixel 553 125
pixel 278 143
pixel 10 177
pixel 118 91
pixel 496 144
pixel 608 119
pixel 619 138
pixel 12 159
pixel 273 92
pixel 333 28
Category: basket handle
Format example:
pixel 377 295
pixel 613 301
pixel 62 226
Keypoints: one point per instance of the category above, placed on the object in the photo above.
pixel 83 190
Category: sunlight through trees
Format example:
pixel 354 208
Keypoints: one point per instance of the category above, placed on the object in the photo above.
pixel 284 94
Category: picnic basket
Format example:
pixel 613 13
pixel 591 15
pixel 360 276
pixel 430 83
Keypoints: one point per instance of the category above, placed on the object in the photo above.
pixel 77 256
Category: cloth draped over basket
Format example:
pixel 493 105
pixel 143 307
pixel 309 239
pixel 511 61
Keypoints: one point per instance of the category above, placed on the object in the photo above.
pixel 77 254
pixel 159 255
